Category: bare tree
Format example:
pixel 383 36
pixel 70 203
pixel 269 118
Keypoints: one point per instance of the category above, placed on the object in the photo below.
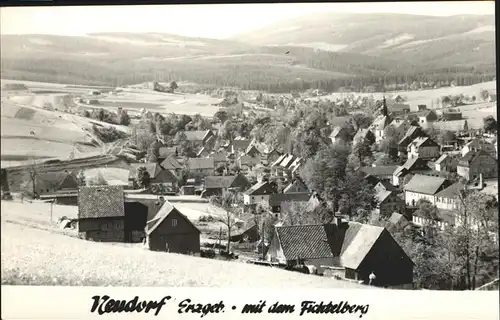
pixel 33 173
pixel 231 204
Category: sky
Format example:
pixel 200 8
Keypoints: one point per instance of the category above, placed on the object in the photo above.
pixel 210 20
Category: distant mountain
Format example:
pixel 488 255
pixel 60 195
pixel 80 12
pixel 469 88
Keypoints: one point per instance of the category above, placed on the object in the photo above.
pixel 320 51
pixel 455 40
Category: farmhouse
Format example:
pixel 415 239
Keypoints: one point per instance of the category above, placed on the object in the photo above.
pixel 248 234
pixel 272 155
pixel 475 163
pixel 156 173
pixel 423 187
pixel 218 185
pixel 171 231
pixel 220 158
pixel 358 249
pixel 384 185
pixel 424 118
pixel 423 147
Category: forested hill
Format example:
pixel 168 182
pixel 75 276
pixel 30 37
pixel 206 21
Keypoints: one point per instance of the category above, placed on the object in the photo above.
pixel 463 52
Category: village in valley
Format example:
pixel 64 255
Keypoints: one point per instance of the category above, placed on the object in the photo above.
pixel 393 188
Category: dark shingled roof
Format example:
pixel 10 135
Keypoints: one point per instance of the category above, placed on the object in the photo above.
pixel 424 184
pixel 171 163
pixel 470 156
pixel 167 152
pixel 304 241
pixel 277 199
pixel 379 170
pixel 216 182
pixel 101 202
pixel 452 191
pixel 261 188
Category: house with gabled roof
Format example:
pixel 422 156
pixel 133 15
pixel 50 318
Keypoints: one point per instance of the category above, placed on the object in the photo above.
pixel 202 153
pixel 296 186
pixel 424 187
pixel 247 162
pixel 424 148
pixel 340 134
pixel 49 182
pixel 199 137
pixel 157 174
pixel 101 213
pixel 277 200
pixel 379 172
pixel 478 144
pixel 171 231
pixel 272 155
pixel 424 118
pixel 220 158
pixel 364 136
pixel 399 109
pixel 411 166
pixel 217 185
pixel 448 198
pixel 253 151
pixel 397 222
pixel 166 152
pixel 411 134
pixel 476 163
pixel 358 249
pixel 388 202
pixel 239 145
pixel 258 193
pixel 385 185
pixel 446 163
pixel 171 163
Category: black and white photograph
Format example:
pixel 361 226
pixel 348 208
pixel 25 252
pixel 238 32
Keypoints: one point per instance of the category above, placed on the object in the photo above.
pixel 277 145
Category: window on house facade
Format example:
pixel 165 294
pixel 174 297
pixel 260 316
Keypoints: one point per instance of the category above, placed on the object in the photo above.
pixel 118 225
pixel 104 226
pixel 174 222
pixel 253 198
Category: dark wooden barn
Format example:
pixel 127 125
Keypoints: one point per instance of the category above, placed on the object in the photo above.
pixel 101 213
pixel 171 231
pixel 358 249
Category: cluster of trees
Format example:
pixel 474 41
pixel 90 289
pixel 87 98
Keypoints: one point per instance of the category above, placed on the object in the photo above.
pixel 329 72
pixel 121 117
pixel 108 134
pixel 457 258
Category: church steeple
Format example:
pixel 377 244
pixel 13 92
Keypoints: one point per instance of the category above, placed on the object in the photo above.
pixel 383 109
